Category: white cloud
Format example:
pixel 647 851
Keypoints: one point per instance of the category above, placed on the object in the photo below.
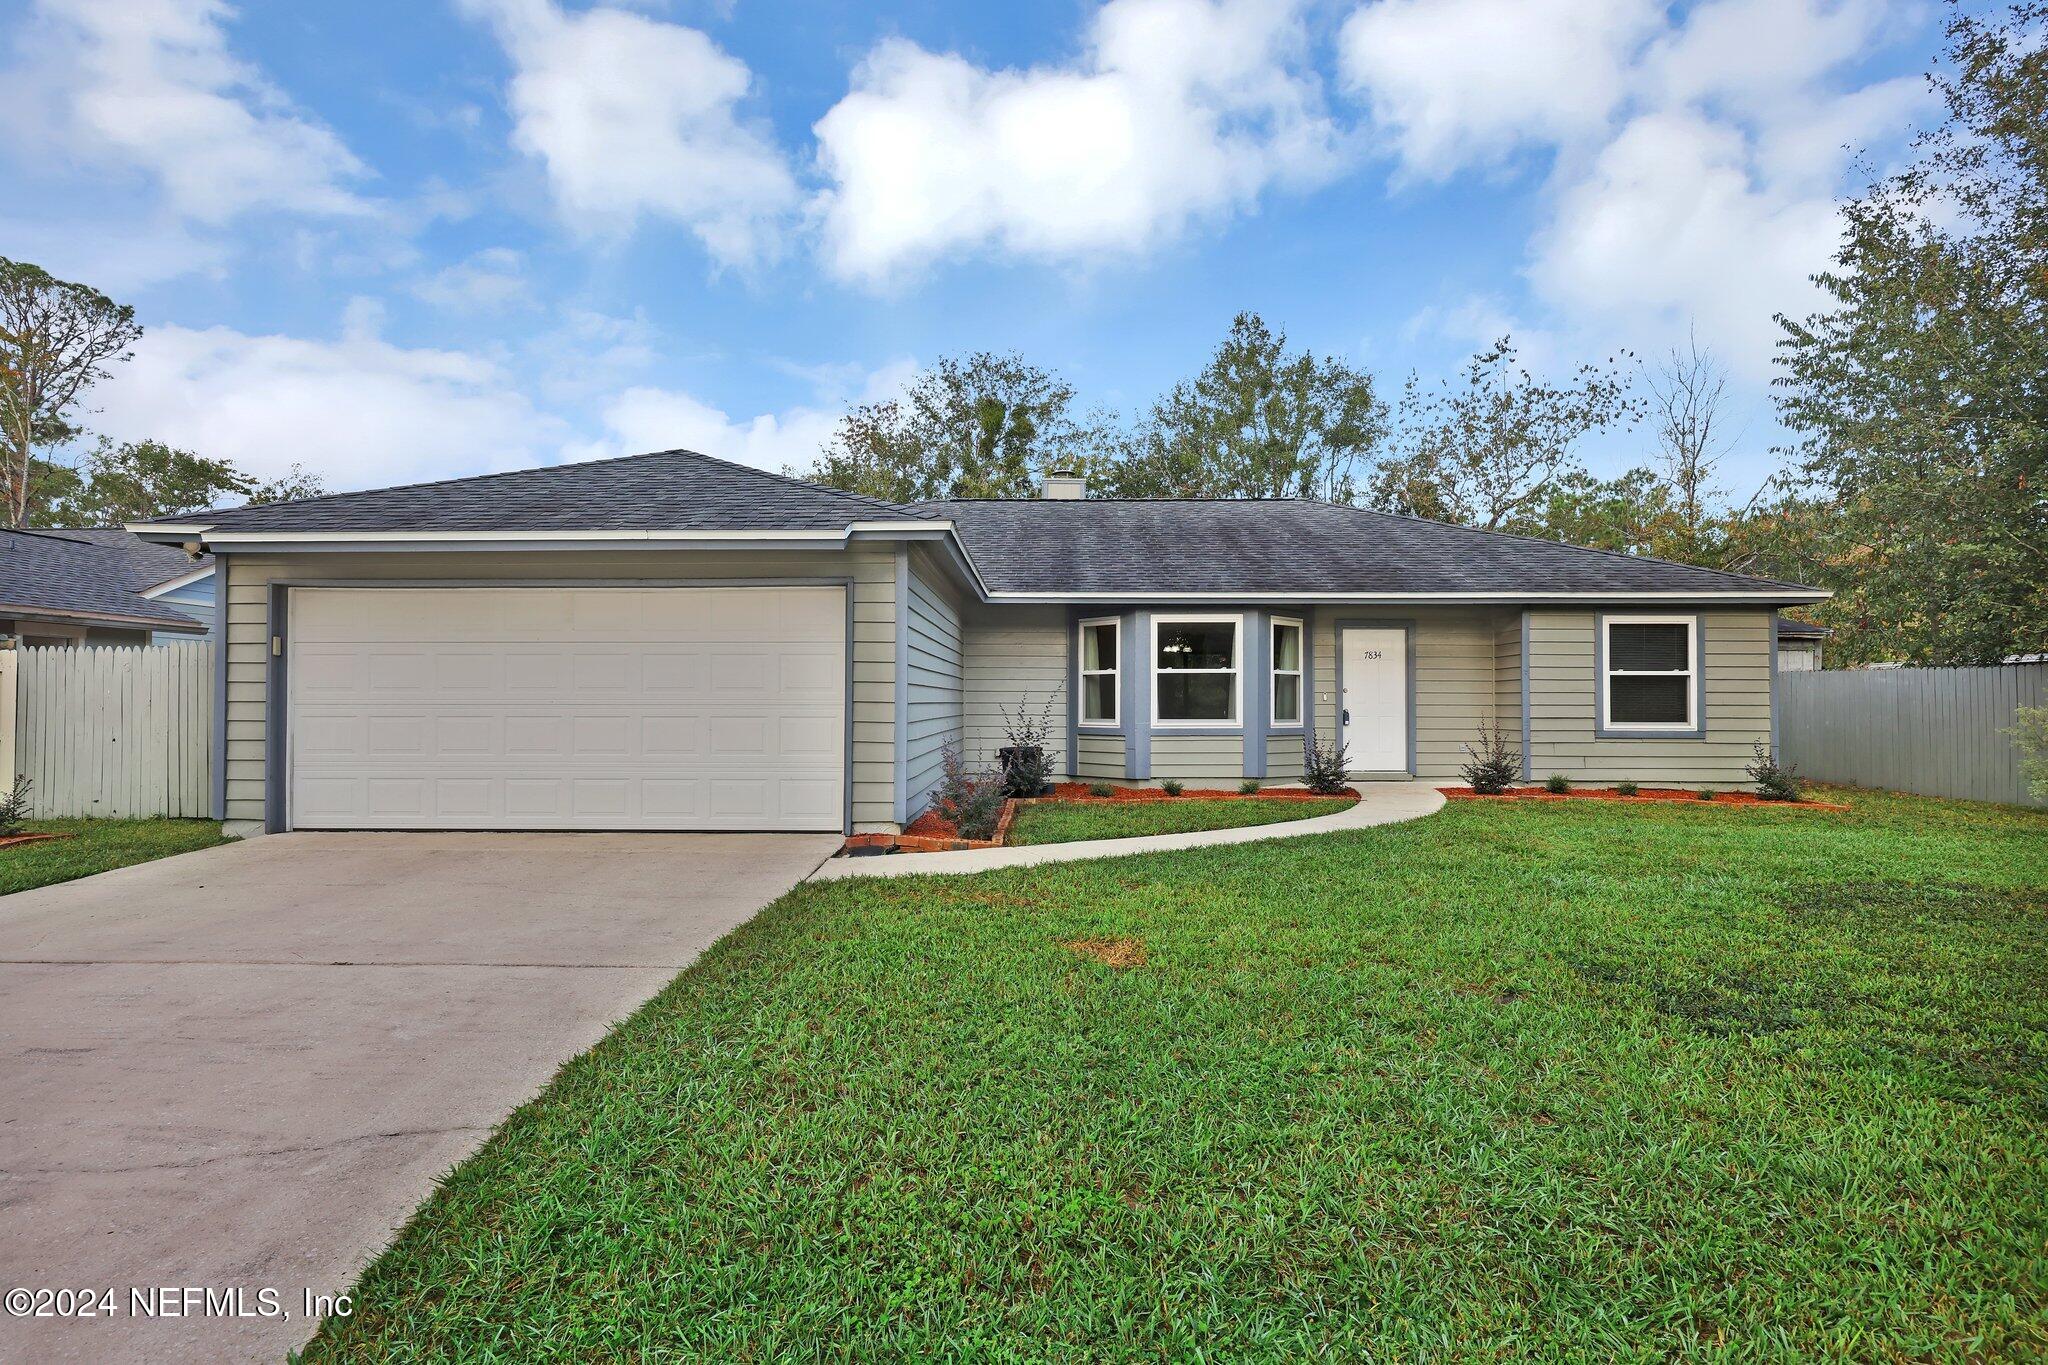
pixel 1175 110
pixel 648 418
pixel 1697 156
pixel 632 116
pixel 488 281
pixel 359 410
pixel 150 85
pixel 1670 224
pixel 1453 83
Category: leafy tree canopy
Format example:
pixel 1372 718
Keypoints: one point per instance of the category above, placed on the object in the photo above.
pixel 1920 393
pixel 134 481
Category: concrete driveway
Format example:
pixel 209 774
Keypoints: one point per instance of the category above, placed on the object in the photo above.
pixel 241 1069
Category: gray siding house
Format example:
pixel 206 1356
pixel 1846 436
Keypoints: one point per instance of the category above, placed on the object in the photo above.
pixel 100 586
pixel 669 641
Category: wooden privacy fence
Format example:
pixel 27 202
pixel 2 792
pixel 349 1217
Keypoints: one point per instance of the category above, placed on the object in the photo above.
pixel 112 730
pixel 1937 731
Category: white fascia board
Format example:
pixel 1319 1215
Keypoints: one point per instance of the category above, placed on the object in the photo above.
pixel 1758 595
pixel 229 538
pixel 183 580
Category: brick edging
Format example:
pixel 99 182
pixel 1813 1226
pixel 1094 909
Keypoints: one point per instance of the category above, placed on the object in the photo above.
pixel 929 843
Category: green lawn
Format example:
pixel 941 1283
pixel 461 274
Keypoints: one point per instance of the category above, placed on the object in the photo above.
pixel 99 846
pixel 1063 822
pixel 1556 1081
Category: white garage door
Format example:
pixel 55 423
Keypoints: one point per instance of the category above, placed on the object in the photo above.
pixel 567 708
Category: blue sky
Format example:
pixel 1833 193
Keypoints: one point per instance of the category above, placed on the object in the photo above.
pixel 399 241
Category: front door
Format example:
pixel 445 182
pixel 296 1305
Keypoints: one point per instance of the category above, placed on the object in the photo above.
pixel 1374 701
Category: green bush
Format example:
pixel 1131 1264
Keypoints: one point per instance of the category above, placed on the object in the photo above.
pixel 1173 786
pixel 1557 784
pixel 2030 735
pixel 1626 788
pixel 1323 766
pixel 1775 781
pixel 1704 794
pixel 14 806
pixel 1493 765
pixel 971 801
pixel 1101 789
pixel 1247 787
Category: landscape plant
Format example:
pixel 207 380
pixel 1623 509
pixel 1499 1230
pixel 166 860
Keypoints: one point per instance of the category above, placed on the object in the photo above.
pixel 1557 784
pixel 14 806
pixel 1323 766
pixel 1775 780
pixel 1247 787
pixel 1027 768
pixel 1173 786
pixel 971 801
pixel 1493 767
pixel 1626 788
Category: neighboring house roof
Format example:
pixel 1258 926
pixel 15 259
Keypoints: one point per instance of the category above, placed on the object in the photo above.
pixel 1288 546
pixel 1789 629
pixel 669 490
pixel 1018 548
pixel 90 577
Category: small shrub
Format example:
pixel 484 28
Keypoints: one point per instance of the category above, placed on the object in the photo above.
pixel 971 801
pixel 1557 784
pixel 1494 765
pixel 1775 781
pixel 1323 766
pixel 2030 736
pixel 1173 786
pixel 1027 771
pixel 1626 789
pixel 1101 789
pixel 14 806
pixel 1247 787
pixel 1704 794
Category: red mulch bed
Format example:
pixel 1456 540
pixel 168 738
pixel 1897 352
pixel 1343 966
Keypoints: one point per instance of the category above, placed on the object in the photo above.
pixel 11 840
pixel 1643 794
pixel 933 833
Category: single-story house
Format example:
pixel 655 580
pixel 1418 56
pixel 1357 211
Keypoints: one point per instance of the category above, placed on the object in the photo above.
pixel 1799 645
pixel 101 587
pixel 669 641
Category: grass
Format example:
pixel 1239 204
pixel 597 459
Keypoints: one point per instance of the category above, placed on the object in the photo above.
pixel 98 846
pixel 1517 1081
pixel 1063 822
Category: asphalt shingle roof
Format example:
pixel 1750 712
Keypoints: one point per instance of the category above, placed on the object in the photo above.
pixel 88 573
pixel 1286 545
pixel 669 490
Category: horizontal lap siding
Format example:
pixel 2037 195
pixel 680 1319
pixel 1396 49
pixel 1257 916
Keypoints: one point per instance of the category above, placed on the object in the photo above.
pixel 1198 757
pixel 1563 696
pixel 1455 687
pixel 1098 756
pixel 1284 757
pixel 933 679
pixel 1507 676
pixel 245 622
pixel 1014 656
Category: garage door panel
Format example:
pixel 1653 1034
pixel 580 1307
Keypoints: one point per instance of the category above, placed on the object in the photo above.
pixel 492 718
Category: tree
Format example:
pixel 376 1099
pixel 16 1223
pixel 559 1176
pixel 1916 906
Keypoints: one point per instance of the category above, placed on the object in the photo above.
pixel 1688 390
pixel 1259 421
pixel 142 479
pixel 1488 451
pixel 1919 394
pixel 1632 513
pixel 980 426
pixel 57 339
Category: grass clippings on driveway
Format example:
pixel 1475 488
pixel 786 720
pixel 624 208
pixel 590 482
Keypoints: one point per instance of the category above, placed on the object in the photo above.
pixel 98 846
pixel 1065 822
pixel 1515 1081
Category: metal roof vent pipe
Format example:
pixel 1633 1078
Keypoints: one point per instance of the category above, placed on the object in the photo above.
pixel 1064 485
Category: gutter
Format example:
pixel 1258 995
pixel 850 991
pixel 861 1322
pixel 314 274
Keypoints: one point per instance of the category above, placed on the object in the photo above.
pixel 100 618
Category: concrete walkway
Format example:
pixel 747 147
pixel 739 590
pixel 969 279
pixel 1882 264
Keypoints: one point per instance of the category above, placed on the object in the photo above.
pixel 243 1068
pixel 1380 803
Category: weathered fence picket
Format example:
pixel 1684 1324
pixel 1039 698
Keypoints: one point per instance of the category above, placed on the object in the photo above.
pixel 116 730
pixel 1937 731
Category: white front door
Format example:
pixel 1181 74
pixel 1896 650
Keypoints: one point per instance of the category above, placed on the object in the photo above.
pixel 1374 700
pixel 508 707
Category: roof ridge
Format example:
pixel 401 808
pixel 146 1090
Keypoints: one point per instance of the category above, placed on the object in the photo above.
pixel 1559 544
pixel 672 452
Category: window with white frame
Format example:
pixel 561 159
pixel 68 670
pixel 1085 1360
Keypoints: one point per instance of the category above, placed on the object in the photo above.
pixel 1652 664
pixel 1286 671
pixel 1100 650
pixel 1195 678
